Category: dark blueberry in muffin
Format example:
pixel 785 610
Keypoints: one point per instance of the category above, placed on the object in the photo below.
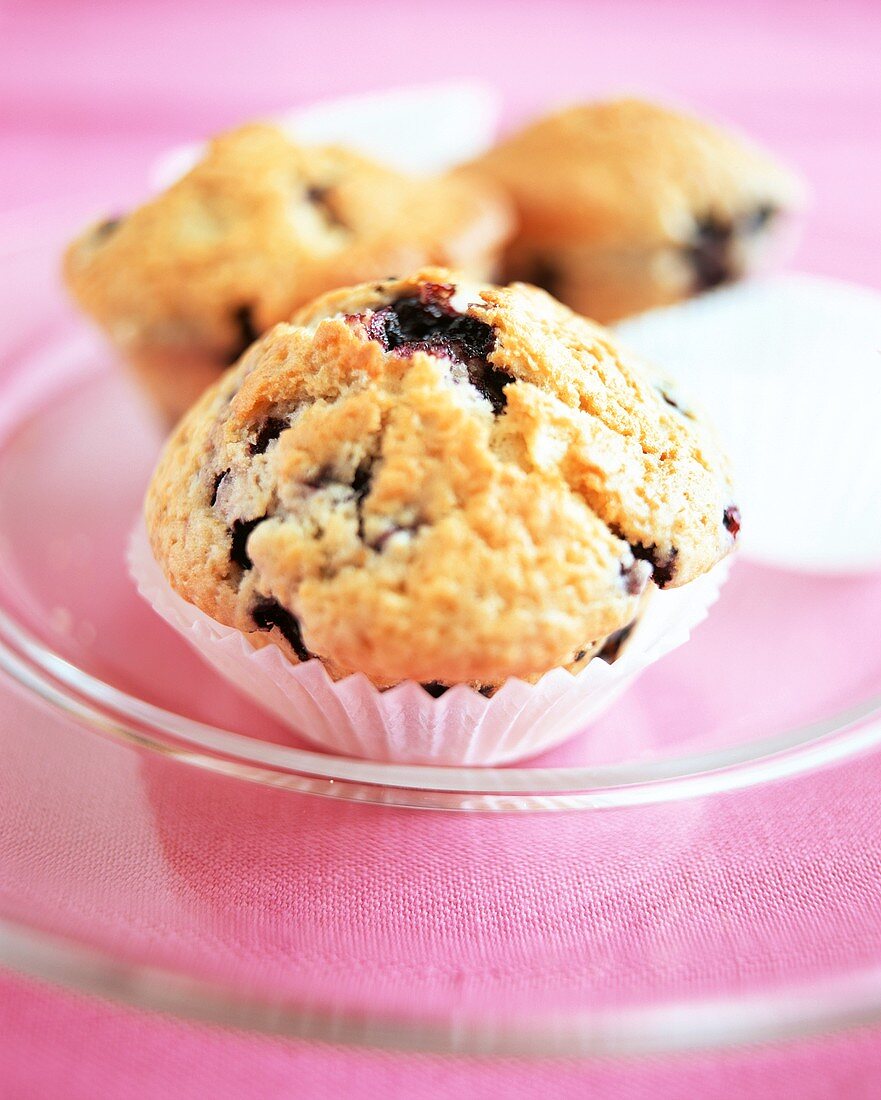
pixel 107 228
pixel 709 253
pixel 436 690
pixel 269 613
pixel 240 532
pixel 731 520
pixel 663 564
pixel 269 430
pixel 758 219
pixel 613 644
pixel 490 383
pixel 322 197
pixel 361 488
pixel 427 322
pixel 247 332
pixel 362 479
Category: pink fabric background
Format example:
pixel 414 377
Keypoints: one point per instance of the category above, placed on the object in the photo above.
pixel 90 93
pixel 77 1048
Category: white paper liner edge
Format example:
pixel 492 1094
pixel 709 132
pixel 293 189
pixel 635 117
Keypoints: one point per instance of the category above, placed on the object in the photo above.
pixel 405 724
pixel 787 370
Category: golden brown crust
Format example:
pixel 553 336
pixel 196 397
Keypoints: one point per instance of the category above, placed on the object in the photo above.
pixel 428 511
pixel 258 227
pixel 612 199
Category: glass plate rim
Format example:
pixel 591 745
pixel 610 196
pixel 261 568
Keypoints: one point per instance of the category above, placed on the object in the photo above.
pixel 804 1010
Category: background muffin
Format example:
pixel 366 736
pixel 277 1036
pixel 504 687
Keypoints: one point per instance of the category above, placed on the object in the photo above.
pixel 626 205
pixel 183 284
pixel 431 480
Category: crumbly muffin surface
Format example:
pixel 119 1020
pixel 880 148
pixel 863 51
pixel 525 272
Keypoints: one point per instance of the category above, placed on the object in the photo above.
pixel 432 480
pixel 626 204
pixel 183 284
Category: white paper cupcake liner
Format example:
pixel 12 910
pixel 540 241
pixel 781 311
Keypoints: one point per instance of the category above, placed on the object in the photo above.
pixel 405 724
pixel 788 370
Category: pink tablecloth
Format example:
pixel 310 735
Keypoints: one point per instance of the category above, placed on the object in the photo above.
pixel 80 1049
pixel 93 91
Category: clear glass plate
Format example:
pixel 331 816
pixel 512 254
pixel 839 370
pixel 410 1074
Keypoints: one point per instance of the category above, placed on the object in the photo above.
pixel 163 843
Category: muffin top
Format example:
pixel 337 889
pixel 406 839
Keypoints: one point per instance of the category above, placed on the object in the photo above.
pixel 431 480
pixel 634 175
pixel 258 227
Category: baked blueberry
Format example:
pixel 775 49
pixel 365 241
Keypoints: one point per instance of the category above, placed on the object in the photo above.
pixel 428 322
pixel 269 614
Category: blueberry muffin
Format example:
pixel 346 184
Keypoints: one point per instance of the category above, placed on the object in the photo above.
pixel 260 226
pixel 626 205
pixel 433 480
